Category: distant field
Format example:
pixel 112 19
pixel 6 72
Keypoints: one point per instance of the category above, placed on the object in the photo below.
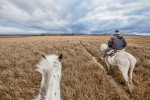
pixel 82 76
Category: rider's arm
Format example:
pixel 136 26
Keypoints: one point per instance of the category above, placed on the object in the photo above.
pixel 110 42
pixel 125 43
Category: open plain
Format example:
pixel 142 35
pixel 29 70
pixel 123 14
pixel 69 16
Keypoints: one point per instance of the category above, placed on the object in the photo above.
pixel 83 74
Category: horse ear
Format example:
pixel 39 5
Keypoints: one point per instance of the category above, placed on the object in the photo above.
pixel 60 57
pixel 43 56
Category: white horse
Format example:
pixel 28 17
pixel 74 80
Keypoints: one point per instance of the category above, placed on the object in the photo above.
pixel 50 68
pixel 125 62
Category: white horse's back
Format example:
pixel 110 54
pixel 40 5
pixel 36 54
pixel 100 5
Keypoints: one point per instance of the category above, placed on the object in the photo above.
pixel 123 57
pixel 120 56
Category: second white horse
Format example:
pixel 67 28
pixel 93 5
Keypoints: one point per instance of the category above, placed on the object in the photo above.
pixel 125 62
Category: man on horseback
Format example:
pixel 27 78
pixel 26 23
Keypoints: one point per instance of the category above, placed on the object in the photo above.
pixel 116 42
pixel 122 59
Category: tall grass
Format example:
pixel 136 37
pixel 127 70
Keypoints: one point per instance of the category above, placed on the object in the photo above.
pixel 82 78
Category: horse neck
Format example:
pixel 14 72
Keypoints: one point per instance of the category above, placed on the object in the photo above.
pixel 53 89
pixel 50 84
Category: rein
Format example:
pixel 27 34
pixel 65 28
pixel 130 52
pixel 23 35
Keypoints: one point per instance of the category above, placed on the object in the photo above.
pixel 114 52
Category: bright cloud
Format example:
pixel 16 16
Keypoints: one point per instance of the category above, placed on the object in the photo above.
pixel 74 16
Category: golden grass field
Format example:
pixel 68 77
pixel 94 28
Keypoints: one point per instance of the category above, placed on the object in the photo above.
pixel 82 76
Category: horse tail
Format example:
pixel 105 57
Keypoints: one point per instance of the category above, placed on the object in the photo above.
pixel 132 65
pixel 45 71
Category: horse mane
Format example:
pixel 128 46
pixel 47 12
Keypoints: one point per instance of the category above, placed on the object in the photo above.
pixel 46 63
pixel 46 68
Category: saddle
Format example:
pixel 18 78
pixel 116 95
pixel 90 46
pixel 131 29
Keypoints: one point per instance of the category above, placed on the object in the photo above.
pixel 113 52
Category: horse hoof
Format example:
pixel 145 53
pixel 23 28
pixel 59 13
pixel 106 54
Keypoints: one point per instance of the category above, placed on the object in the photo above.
pixel 122 83
pixel 108 72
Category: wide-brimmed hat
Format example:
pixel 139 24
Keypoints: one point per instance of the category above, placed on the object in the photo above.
pixel 117 32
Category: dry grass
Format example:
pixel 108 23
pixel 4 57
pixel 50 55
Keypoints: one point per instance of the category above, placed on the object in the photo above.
pixel 82 77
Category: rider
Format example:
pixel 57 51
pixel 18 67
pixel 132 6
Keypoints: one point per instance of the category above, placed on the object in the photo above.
pixel 116 42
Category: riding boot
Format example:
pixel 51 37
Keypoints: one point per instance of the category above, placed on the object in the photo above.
pixel 105 52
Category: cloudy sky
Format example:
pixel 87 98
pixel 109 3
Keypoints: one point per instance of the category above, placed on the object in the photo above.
pixel 74 16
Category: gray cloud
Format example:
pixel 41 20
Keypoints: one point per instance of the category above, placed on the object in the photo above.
pixel 75 16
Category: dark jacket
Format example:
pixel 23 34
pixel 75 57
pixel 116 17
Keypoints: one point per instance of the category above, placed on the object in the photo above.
pixel 117 42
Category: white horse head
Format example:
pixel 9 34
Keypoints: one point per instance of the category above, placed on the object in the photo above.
pixel 103 47
pixel 125 63
pixel 50 68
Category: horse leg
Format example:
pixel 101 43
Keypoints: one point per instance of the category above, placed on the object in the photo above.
pixel 124 72
pixel 130 77
pixel 107 64
pixel 130 80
